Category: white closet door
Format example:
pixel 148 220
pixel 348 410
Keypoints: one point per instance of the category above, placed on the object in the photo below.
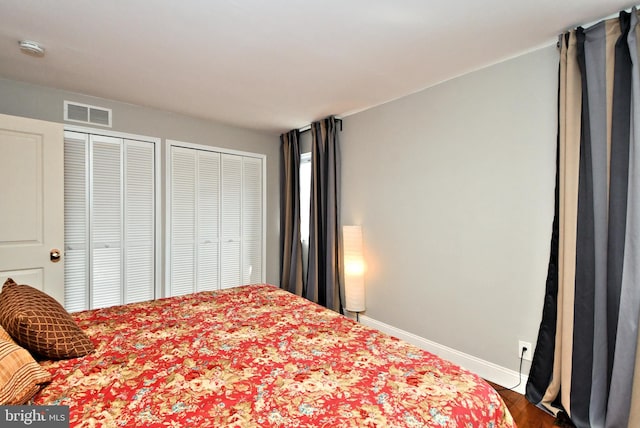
pixel 106 226
pixel 208 220
pixel 76 221
pixel 139 220
pixel 183 220
pixel 251 220
pixel 216 220
pixel 231 233
pixel 110 220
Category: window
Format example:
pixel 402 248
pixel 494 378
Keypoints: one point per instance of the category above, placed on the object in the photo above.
pixel 305 208
pixel 305 196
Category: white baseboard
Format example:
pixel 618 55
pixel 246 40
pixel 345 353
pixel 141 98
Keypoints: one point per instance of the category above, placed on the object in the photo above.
pixel 485 369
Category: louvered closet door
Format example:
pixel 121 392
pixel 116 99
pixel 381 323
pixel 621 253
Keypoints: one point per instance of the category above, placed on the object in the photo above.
pixel 183 220
pixel 208 221
pixel 106 225
pixel 76 221
pixel 230 261
pixel 139 221
pixel 195 224
pixel 252 220
pixel 216 220
pixel 109 221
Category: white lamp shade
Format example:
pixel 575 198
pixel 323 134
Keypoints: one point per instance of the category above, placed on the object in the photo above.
pixel 353 268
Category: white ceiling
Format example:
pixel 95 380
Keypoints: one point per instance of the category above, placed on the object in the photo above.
pixel 273 65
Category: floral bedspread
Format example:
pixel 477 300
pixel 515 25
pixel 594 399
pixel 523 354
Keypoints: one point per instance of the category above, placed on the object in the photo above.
pixel 257 356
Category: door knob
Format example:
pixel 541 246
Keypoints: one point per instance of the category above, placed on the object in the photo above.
pixel 55 255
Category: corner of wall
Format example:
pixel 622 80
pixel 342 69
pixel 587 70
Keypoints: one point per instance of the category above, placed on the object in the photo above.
pixel 487 370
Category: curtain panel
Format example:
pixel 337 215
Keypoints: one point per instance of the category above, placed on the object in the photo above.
pixel 587 359
pixel 323 276
pixel 290 243
pixel 322 283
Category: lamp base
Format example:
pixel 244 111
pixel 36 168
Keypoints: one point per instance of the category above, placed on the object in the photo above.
pixel 353 312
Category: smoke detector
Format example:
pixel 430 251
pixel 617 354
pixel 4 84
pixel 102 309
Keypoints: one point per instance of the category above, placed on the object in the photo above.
pixel 31 48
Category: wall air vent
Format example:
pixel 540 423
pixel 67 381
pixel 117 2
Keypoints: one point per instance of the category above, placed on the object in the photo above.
pixel 83 113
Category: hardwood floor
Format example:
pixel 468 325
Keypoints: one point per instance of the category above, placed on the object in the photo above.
pixel 525 414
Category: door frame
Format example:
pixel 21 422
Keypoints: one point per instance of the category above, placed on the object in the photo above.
pixel 158 272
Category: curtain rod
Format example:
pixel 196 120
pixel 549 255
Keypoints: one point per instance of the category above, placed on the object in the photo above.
pixel 308 127
pixel 592 23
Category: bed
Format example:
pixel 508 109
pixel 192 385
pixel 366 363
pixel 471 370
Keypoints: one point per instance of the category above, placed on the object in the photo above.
pixel 258 356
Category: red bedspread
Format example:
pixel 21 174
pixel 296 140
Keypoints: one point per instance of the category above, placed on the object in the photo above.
pixel 257 356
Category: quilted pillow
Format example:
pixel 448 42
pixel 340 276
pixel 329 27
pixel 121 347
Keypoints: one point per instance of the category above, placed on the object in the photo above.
pixel 40 324
pixel 21 377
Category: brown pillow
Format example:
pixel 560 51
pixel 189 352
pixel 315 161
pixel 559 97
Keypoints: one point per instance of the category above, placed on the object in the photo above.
pixel 21 377
pixel 40 324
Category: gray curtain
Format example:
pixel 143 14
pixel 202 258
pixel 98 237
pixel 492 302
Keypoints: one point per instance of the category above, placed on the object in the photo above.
pixel 587 359
pixel 290 244
pixel 323 277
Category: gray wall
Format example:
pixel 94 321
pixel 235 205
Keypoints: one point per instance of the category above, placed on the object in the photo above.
pixel 454 188
pixel 21 99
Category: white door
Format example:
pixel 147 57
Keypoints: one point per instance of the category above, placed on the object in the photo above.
pixel 231 227
pixel 252 220
pixel 32 203
pixel 215 224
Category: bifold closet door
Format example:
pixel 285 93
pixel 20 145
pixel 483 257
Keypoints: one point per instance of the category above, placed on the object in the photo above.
pixel 241 230
pixel 109 221
pixel 208 221
pixel 231 233
pixel 216 220
pixel 183 221
pixel 252 210
pixel 106 221
pixel 76 221
pixel 195 207
pixel 139 221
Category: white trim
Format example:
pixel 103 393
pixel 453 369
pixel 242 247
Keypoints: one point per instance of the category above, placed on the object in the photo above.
pixel 263 277
pixel 166 288
pixel 160 215
pixel 110 133
pixel 186 145
pixel 485 369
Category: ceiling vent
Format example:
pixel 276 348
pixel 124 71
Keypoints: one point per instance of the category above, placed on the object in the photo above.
pixel 83 113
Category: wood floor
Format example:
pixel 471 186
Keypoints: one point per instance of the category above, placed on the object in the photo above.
pixel 525 414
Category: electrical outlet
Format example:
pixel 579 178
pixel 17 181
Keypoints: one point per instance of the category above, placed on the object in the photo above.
pixel 528 354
